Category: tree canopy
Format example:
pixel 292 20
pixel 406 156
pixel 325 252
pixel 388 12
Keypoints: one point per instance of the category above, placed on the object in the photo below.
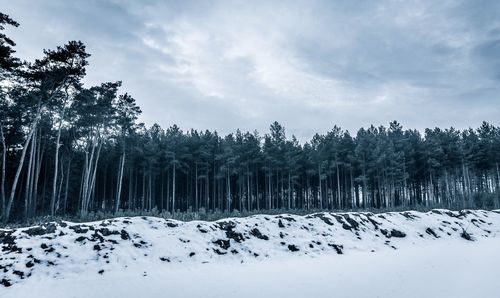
pixel 72 149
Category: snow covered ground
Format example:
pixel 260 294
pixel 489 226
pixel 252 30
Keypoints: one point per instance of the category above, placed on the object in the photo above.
pixel 404 254
pixel 443 269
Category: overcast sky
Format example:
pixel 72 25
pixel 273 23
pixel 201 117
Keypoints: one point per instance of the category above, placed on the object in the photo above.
pixel 222 65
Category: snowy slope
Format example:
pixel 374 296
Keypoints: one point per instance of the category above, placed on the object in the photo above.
pixel 109 247
pixel 443 269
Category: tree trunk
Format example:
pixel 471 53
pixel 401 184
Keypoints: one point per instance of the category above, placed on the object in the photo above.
pixel 65 205
pixel 92 185
pixel 289 190
pixel 4 163
pixel 338 185
pixel 56 165
pixel 39 154
pixel 196 188
pixel 248 189
pixel 320 197
pixel 18 172
pixel 173 186
pixel 228 202
pixel 120 179
pixel 29 172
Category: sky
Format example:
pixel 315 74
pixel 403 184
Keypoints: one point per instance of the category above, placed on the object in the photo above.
pixel 310 65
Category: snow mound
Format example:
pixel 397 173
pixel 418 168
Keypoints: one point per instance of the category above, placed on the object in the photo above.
pixel 56 248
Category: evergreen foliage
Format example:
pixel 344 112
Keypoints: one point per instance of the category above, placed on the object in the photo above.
pixel 69 150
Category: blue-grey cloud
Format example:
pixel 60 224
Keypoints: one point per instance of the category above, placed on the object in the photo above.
pixel 224 65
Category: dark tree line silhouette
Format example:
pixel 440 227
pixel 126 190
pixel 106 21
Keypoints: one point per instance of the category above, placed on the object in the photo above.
pixel 70 150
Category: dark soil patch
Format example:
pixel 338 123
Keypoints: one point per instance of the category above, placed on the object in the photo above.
pixel 229 226
pixel 8 242
pixel 80 239
pixel 124 235
pixel 19 273
pixel 466 235
pixel 431 232
pixel 287 218
pixel 79 229
pixel 5 282
pixel 42 230
pixel 409 216
pixel 338 248
pixel 217 251
pixel 202 230
pixel 354 224
pixel 107 232
pixel 374 222
pixel 256 233
pixel 224 244
pixel 172 225
pixel 397 234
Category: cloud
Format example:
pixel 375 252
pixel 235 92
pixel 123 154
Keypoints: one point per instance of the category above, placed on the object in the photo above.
pixel 221 65
pixel 488 56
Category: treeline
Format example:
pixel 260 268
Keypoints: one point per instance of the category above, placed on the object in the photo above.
pixel 70 150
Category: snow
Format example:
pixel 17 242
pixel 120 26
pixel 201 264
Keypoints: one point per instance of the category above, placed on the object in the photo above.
pixel 339 254
pixel 450 269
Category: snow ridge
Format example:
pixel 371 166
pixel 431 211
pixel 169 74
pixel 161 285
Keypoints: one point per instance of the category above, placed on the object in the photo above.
pixel 54 248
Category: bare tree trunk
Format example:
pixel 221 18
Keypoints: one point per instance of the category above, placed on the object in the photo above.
pixel 432 194
pixel 207 190
pixel 39 154
pixel 320 197
pixel 498 186
pixel 338 184
pixel 196 187
pixel 90 175
pixel 4 163
pixel 248 189
pixel 92 185
pixel 228 202
pixel 86 177
pixel 120 179
pixel 269 192
pixel 447 188
pixel 173 186
pixel 65 205
pixel 82 180
pixel 289 189
pixel 58 199
pixel 257 189
pixel 130 188
pixel 353 195
pixel 19 169
pixel 364 192
pixel 56 164
pixel 29 171
pixel 167 201
pixel 214 188
pixel 150 193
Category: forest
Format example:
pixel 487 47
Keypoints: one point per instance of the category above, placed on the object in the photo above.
pixel 72 150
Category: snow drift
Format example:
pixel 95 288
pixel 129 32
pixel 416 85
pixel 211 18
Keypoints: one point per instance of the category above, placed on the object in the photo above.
pixel 57 248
